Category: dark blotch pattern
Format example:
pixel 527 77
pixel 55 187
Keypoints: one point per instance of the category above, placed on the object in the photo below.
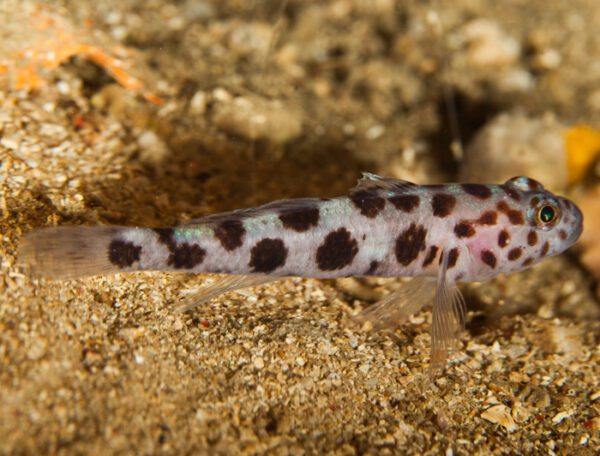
pixel 337 250
pixel 301 219
pixel 186 256
pixel 514 216
pixel 452 258
pixel 369 203
pixel 528 262
pixel 268 255
pixel 477 190
pixel 562 234
pixel 532 238
pixel 182 256
pixel 545 249
pixel 511 192
pixel 503 238
pixel 443 204
pixel 410 243
pixel 372 267
pixel 230 233
pixel 464 229
pixel 488 218
pixel 534 185
pixel 166 236
pixel 430 255
pixel 488 258
pixel 534 201
pixel 405 203
pixel 123 253
pixel 515 254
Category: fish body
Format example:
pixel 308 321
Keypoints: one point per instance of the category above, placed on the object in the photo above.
pixel 384 227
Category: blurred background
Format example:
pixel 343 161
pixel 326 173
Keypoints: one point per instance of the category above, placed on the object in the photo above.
pixel 151 113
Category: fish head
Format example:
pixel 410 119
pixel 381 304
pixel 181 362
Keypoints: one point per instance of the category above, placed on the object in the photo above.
pixel 556 221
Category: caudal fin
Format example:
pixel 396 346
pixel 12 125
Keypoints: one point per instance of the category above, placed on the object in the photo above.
pixel 61 253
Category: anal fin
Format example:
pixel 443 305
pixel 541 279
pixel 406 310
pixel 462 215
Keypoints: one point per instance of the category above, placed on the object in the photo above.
pixel 400 304
pixel 221 286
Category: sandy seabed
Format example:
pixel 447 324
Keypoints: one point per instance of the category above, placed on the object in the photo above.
pixel 261 101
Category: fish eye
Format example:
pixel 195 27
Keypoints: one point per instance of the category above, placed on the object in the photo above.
pixel 547 214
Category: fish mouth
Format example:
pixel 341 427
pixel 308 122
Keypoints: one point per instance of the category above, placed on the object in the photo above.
pixel 572 239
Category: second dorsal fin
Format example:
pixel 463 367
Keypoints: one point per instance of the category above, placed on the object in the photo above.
pixel 370 181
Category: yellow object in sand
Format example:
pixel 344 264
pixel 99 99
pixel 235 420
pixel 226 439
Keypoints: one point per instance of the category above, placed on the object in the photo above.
pixel 582 143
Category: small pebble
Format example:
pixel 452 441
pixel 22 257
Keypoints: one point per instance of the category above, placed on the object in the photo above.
pixel 488 45
pixel 500 414
pixel 259 363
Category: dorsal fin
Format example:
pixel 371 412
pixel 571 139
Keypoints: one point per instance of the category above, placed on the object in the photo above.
pixel 370 181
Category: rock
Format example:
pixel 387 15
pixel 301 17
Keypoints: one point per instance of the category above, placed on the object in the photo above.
pixel 254 118
pixel 487 45
pixel 515 145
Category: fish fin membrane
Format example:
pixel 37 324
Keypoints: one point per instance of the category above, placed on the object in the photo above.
pixel 68 252
pixel 447 320
pixel 370 181
pixel 393 310
pixel 221 286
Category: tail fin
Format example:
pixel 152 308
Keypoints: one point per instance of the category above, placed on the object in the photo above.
pixel 69 252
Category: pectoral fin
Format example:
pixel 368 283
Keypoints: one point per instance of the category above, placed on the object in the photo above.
pixel 400 304
pixel 448 317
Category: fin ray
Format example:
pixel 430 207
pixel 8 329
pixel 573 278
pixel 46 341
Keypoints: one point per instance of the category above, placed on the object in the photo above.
pixel 400 304
pixel 448 317
pixel 370 181
pixel 221 286
pixel 68 252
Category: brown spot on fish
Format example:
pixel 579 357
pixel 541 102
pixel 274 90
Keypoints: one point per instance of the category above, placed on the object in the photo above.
pixel 464 229
pixel 452 257
pixel 534 201
pixel 532 238
pixel 477 190
pixel 300 219
pixel 514 216
pixel 186 256
pixel 488 257
pixel 337 250
pixel 511 192
pixel 503 207
pixel 409 243
pixel 123 253
pixel 545 249
pixel 405 203
pixel 515 254
pixel 230 233
pixel 430 256
pixel 528 262
pixel 503 238
pixel 267 255
pixel 166 236
pixel 488 218
pixel 369 203
pixel 372 267
pixel 534 185
pixel 443 204
pixel 562 234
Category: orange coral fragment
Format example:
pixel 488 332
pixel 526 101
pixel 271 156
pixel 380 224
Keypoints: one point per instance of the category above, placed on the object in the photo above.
pixel 52 41
pixel 582 143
